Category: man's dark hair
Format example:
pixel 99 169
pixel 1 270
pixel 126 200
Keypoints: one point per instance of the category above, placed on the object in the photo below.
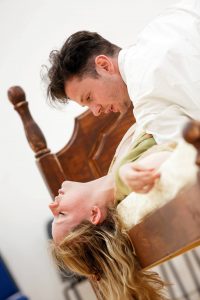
pixel 76 58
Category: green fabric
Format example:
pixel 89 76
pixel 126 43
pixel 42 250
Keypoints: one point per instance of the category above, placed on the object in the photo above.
pixel 142 144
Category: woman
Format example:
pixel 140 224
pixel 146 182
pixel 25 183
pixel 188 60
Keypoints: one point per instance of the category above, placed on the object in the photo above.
pixel 90 237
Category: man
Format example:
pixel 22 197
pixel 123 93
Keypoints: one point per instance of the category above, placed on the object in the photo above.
pixel 160 74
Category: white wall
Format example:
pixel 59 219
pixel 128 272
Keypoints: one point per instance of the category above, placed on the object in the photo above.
pixel 29 30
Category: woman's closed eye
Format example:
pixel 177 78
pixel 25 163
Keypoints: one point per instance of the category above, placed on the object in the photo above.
pixel 61 213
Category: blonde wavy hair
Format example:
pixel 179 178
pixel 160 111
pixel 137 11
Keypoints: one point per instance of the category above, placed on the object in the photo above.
pixel 104 253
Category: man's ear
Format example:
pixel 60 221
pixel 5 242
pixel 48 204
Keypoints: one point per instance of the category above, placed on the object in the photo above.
pixel 104 63
pixel 95 215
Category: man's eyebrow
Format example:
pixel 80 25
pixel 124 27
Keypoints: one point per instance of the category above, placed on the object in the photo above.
pixel 81 100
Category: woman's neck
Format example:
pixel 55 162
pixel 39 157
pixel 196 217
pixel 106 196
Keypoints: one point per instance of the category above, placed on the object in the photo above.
pixel 103 189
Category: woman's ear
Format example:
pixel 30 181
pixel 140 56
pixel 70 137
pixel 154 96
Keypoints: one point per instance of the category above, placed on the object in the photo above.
pixel 104 64
pixel 95 215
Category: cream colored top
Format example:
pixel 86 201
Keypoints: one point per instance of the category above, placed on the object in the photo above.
pixel 177 172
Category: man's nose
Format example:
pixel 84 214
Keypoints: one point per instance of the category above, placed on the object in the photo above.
pixel 53 207
pixel 96 109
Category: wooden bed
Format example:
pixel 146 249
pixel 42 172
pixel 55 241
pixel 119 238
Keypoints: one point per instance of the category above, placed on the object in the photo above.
pixel 168 232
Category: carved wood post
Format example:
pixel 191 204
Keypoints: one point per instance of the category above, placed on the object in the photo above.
pixel 47 162
pixel 34 134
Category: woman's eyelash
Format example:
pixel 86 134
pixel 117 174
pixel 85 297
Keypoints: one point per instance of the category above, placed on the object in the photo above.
pixel 61 213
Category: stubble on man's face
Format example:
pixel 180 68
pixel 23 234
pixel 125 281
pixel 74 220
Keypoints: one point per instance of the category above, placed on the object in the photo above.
pixel 106 91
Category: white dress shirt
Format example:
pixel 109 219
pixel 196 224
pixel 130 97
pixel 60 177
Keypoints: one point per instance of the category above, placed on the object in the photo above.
pixel 162 72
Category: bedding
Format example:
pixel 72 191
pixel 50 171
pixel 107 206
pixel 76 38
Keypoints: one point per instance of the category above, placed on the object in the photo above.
pixel 177 172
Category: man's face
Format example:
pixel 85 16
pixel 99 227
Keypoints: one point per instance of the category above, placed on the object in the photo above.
pixel 103 94
pixel 68 209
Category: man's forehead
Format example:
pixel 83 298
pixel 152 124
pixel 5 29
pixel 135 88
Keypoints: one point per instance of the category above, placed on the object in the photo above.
pixel 72 86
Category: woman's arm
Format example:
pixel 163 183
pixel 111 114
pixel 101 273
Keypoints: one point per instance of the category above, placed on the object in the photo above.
pixel 140 176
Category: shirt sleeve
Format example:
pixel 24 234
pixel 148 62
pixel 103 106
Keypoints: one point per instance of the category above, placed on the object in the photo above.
pixel 167 94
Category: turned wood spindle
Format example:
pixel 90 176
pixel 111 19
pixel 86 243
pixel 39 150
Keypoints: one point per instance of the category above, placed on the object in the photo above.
pixel 34 134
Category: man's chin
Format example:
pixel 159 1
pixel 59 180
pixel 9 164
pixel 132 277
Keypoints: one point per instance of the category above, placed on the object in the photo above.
pixel 124 109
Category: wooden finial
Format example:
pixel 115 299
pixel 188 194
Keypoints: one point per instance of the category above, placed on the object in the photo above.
pixel 191 134
pixel 16 95
pixel 33 133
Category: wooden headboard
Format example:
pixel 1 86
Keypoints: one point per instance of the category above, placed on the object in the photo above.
pixel 170 231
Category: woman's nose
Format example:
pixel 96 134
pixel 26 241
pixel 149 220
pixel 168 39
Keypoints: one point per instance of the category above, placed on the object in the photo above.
pixel 53 207
pixel 96 109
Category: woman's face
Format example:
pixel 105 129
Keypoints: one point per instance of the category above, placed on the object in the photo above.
pixel 68 209
pixel 75 203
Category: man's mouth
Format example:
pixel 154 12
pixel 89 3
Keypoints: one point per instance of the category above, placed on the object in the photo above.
pixel 113 109
pixel 110 109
